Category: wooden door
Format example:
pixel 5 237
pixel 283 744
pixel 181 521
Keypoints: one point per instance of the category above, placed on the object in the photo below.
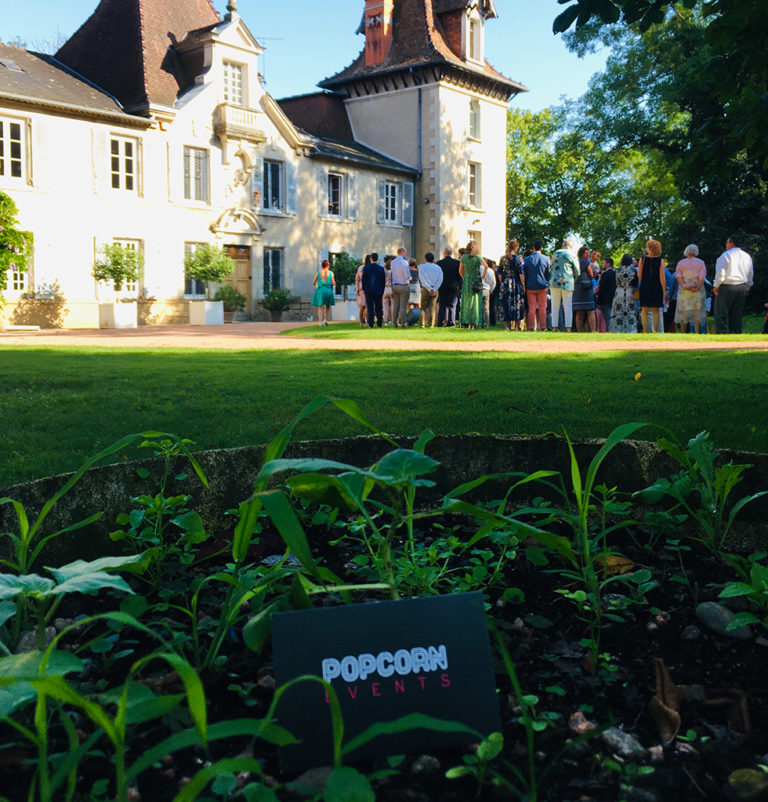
pixel 241 279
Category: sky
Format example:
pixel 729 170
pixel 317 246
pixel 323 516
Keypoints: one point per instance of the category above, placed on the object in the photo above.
pixel 308 40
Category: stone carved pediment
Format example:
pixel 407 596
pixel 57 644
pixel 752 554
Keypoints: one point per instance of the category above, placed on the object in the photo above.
pixel 238 221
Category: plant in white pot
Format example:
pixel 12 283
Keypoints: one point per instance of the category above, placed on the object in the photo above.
pixel 118 266
pixel 209 264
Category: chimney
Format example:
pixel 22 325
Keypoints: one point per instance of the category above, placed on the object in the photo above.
pixel 378 30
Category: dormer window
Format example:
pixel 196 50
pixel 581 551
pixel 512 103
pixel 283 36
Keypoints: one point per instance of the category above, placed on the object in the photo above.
pixel 473 38
pixel 233 83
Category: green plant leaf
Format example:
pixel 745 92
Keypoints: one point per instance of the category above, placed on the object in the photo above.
pixel 193 688
pixel 21 515
pixel 654 493
pixel 490 747
pixel 734 589
pixel 257 630
pixel 256 792
pixel 323 488
pixel 352 410
pixel 249 515
pixel 557 543
pixel 425 438
pixel 90 582
pixel 141 703
pixel 614 438
pixel 80 567
pixel 12 585
pixel 191 737
pixel 742 620
pixel 14 696
pixel 565 19
pixel 7 611
pixel 197 784
pixel 412 721
pixel 459 771
pixel 284 518
pixel 348 785
pixel 192 525
pixel 403 464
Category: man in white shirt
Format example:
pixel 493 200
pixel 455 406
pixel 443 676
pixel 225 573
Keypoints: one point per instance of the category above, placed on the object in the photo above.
pixel 401 281
pixel 430 278
pixel 734 275
pixel 489 285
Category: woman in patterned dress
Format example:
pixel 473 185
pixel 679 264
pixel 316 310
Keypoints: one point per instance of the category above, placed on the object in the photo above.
pixel 691 297
pixel 623 314
pixel 512 287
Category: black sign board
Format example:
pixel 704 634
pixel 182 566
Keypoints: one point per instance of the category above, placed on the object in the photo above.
pixel 385 660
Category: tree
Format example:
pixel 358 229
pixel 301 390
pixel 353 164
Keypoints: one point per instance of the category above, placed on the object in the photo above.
pixel 562 179
pixel 734 32
pixel 657 98
pixel 344 267
pixel 15 245
pixel 118 265
pixel 208 263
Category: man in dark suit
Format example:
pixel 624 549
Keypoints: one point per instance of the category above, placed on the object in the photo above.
pixel 448 294
pixel 374 277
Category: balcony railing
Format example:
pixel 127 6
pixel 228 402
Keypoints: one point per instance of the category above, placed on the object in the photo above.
pixel 233 121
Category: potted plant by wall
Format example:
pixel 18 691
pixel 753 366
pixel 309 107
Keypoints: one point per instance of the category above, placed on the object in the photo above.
pixel 277 301
pixel 344 267
pixel 233 300
pixel 118 266
pixel 210 264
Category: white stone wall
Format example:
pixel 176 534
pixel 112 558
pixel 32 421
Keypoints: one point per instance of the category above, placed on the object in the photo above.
pixel 389 123
pixel 70 207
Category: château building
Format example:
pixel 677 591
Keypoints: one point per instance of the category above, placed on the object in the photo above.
pixel 150 127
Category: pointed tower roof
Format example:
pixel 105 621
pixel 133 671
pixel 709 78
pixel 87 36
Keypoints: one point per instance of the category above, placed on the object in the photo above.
pixel 421 38
pixel 126 47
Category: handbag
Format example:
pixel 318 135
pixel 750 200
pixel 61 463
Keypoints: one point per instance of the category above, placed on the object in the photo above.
pixel 477 285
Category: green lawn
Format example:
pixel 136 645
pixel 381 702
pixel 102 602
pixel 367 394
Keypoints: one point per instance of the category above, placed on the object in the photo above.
pixel 63 404
pixel 753 326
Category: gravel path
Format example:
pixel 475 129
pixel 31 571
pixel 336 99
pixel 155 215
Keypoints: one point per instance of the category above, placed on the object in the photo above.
pixel 266 336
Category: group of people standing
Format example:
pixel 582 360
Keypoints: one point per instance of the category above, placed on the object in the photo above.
pixel 573 289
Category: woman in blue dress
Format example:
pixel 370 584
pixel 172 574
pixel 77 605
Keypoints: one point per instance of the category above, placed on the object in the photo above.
pixel 512 293
pixel 324 296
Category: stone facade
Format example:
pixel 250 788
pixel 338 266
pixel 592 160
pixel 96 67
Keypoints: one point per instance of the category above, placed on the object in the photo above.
pixel 190 149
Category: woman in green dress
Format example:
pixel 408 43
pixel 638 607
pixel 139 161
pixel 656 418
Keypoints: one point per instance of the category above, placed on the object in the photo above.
pixel 323 298
pixel 471 269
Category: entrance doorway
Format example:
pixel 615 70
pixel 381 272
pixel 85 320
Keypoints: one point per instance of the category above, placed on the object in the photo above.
pixel 241 278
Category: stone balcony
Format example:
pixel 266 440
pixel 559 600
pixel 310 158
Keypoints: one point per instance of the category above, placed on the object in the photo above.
pixel 233 122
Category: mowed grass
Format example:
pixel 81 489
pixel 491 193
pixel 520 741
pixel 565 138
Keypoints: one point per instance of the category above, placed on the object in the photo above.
pixel 753 326
pixel 61 405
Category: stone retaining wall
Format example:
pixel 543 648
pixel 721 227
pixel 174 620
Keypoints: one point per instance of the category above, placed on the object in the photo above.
pixel 630 466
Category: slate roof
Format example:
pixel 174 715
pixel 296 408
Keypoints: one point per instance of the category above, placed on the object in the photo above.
pixel 126 47
pixel 38 79
pixel 321 114
pixel 323 117
pixel 354 153
pixel 418 40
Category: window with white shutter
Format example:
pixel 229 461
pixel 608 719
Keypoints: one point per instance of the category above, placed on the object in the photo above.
pixel 196 174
